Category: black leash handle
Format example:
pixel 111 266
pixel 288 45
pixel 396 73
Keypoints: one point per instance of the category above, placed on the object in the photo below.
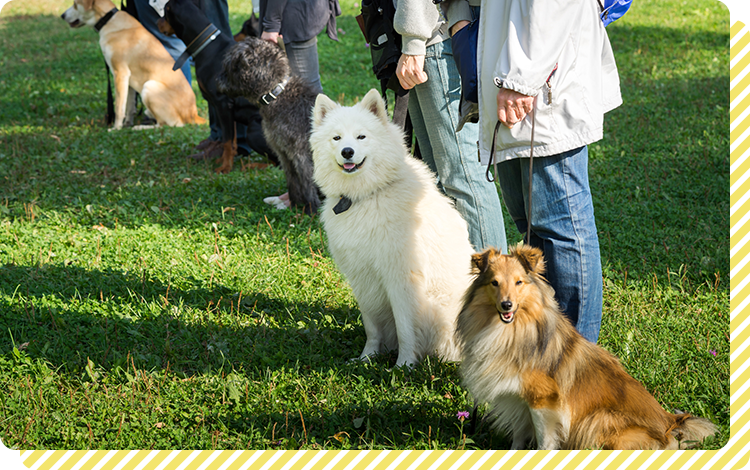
pixel 531 168
pixel 493 162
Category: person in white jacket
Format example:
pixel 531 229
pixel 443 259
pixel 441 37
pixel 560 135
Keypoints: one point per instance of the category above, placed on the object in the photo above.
pixel 548 65
pixel 428 70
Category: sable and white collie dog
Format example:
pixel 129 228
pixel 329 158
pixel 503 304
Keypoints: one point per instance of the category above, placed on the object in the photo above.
pixel 545 384
pixel 399 241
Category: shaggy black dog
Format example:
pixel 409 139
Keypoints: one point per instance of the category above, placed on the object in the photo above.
pixel 259 71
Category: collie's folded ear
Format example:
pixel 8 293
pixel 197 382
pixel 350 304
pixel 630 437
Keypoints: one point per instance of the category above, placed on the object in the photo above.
pixel 323 104
pixel 530 257
pixel 481 261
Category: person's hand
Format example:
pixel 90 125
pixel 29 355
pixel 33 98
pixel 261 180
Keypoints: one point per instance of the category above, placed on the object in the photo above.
pixel 268 36
pixel 410 71
pixel 512 107
pixel 458 27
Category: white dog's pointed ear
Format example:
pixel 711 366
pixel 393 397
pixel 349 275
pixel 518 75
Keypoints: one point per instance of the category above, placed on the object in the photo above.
pixel 374 103
pixel 323 104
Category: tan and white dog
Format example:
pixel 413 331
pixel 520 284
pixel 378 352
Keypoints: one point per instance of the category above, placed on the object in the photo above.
pixel 139 63
pixel 545 384
pixel 401 243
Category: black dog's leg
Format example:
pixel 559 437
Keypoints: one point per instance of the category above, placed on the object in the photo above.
pixel 228 142
pixel 308 191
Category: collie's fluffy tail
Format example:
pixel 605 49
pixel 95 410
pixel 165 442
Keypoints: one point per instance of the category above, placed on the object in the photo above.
pixel 689 430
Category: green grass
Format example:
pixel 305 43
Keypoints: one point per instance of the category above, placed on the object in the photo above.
pixel 146 302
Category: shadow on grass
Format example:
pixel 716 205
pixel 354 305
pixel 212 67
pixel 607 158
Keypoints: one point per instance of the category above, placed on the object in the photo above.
pixel 125 323
pixel 69 315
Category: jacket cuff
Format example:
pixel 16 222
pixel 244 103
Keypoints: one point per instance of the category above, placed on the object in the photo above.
pixel 515 86
pixel 456 11
pixel 413 46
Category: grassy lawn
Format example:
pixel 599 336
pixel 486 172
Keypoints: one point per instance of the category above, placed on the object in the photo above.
pixel 146 302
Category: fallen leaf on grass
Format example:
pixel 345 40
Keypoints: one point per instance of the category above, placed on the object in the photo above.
pixel 339 436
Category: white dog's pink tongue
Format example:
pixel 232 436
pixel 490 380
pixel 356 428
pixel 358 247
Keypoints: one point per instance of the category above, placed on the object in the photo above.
pixel 349 166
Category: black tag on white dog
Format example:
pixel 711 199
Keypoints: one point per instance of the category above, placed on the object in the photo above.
pixel 343 205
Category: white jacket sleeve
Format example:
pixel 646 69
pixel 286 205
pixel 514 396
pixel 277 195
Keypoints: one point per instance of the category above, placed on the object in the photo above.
pixel 537 33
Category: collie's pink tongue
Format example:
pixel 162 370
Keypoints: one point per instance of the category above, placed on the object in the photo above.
pixel 349 166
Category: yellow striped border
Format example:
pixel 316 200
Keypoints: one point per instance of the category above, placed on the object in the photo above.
pixel 733 456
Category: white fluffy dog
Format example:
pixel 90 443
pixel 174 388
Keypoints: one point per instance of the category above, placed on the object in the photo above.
pixel 400 242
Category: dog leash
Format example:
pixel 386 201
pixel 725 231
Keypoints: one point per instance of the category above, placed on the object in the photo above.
pixel 493 163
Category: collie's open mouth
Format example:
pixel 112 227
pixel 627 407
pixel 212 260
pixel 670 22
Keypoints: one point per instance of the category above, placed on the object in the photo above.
pixel 507 317
pixel 350 167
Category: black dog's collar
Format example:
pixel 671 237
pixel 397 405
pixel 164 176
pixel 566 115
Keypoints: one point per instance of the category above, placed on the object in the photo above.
pixel 273 94
pixel 210 33
pixel 343 205
pixel 104 19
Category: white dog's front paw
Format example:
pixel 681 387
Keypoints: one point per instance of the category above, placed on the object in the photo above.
pixel 356 360
pixel 406 361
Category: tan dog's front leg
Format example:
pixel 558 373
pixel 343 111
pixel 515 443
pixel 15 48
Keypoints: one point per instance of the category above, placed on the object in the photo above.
pixel 122 79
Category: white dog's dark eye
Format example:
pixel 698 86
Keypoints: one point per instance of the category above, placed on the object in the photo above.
pixel 360 137
pixel 337 137
pixel 494 282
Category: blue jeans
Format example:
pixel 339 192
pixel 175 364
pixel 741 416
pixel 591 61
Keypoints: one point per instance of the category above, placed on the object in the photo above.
pixel 563 227
pixel 303 60
pixel 433 108
pixel 174 45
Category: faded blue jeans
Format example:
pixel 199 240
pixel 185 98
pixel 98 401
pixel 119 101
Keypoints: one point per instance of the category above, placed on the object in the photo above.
pixel 563 227
pixel 303 60
pixel 433 108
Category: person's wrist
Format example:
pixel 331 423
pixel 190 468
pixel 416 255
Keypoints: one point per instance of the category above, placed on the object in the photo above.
pixel 458 27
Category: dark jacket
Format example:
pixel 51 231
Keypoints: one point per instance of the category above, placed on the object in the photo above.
pixel 299 20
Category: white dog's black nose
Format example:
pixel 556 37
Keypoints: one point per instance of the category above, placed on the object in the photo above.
pixel 347 152
pixel 506 305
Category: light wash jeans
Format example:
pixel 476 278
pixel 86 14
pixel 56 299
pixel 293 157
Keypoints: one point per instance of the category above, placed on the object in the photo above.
pixel 433 108
pixel 563 227
pixel 303 60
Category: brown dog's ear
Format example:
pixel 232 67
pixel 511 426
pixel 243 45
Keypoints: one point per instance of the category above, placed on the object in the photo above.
pixel 530 257
pixel 481 261
pixel 374 103
pixel 323 105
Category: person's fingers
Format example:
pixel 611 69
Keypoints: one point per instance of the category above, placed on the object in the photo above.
pixel 513 107
pixel 528 105
pixel 404 79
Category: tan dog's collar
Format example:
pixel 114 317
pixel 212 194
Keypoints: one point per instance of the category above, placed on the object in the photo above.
pixel 104 19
